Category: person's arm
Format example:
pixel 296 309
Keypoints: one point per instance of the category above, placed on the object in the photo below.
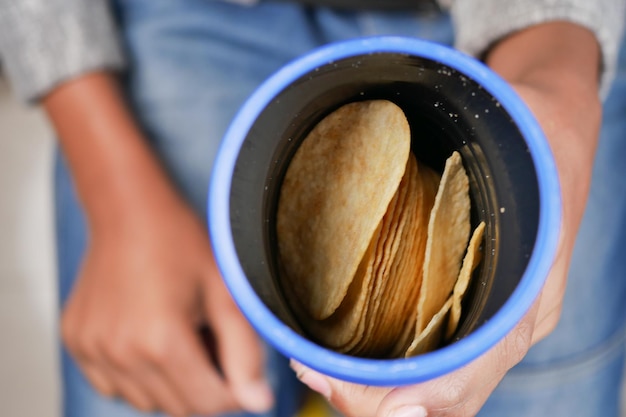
pixel 555 69
pixel 480 24
pixel 148 280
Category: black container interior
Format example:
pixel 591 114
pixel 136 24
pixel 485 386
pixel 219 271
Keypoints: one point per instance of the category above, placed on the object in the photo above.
pixel 446 111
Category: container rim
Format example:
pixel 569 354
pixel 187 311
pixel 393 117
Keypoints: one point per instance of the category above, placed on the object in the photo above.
pixel 385 371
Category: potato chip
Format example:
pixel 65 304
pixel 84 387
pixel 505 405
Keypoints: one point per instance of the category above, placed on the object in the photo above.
pixel 429 180
pixel 387 252
pixel 470 262
pixel 398 296
pixel 448 232
pixel 390 256
pixel 370 240
pixel 346 324
pixel 336 190
pixel 345 327
pixel 430 338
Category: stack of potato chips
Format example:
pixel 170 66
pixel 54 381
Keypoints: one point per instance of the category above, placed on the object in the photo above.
pixel 373 245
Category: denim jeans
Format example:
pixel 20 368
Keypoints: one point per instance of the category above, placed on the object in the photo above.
pixel 194 62
pixel 577 370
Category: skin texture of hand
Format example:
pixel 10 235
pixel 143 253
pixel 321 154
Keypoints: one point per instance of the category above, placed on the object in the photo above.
pixel 132 320
pixel 148 280
pixel 554 68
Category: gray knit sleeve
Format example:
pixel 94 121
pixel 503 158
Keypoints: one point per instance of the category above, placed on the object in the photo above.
pixel 44 42
pixel 480 23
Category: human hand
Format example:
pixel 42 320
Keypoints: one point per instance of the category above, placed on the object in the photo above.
pixel 146 286
pixel 559 84
pixel 132 320
pixel 148 281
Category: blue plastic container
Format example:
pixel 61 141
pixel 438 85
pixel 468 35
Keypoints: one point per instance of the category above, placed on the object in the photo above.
pixel 452 102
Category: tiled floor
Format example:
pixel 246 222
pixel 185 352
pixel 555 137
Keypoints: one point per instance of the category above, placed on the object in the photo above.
pixel 28 373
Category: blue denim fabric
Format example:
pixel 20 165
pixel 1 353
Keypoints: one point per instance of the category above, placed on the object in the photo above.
pixel 577 370
pixel 193 63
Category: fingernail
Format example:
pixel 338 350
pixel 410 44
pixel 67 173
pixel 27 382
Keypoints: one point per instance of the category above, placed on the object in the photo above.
pixel 409 411
pixel 311 379
pixel 295 365
pixel 258 397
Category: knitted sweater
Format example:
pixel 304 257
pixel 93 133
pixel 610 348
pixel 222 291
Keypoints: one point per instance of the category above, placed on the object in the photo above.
pixel 44 42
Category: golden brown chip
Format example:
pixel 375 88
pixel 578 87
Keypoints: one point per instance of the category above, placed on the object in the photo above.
pixel 370 241
pixel 398 297
pixel 429 183
pixel 345 327
pixel 335 192
pixel 432 335
pixel 387 252
pixel 470 262
pixel 448 230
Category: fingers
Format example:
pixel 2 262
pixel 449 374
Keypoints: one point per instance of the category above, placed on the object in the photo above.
pixel 166 369
pixel 133 392
pixel 352 400
pixel 98 379
pixel 458 394
pixel 463 392
pixel 314 380
pixel 144 389
pixel 132 322
pixel 189 369
pixel 159 389
pixel 239 352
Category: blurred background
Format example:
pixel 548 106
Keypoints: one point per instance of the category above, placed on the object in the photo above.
pixel 28 349
pixel 29 375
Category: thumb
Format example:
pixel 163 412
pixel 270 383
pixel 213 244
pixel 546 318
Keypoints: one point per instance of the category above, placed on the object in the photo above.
pixel 464 391
pixel 352 400
pixel 239 352
pixel 460 393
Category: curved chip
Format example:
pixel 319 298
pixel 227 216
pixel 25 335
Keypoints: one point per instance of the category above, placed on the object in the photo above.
pixel 394 304
pixel 431 336
pixel 335 192
pixel 448 233
pixel 470 262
